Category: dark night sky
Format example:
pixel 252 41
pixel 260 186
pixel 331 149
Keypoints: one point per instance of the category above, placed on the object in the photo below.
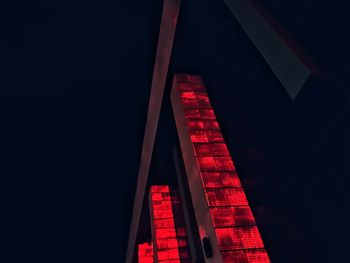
pixel 74 88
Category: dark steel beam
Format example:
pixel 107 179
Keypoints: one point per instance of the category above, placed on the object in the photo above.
pixel 165 42
pixel 289 63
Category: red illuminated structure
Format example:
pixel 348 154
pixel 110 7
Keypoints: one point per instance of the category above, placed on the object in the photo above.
pixel 214 222
pixel 219 222
pixel 222 212
pixel 145 253
pixel 168 227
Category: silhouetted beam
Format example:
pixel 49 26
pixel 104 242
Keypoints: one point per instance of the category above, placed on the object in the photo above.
pixel 165 43
pixel 288 62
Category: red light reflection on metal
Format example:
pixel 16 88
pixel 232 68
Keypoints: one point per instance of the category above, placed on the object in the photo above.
pixel 169 234
pixel 145 253
pixel 237 236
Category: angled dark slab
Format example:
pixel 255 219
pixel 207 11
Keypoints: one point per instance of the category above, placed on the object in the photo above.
pixel 164 47
pixel 291 66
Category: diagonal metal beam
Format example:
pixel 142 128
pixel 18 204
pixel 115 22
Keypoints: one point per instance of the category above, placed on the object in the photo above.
pixel 165 42
pixel 291 65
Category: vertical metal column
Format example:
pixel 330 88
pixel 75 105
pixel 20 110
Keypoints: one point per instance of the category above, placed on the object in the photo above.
pixel 165 42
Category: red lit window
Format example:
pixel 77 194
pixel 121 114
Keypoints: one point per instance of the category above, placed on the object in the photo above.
pixel 220 179
pixel 145 253
pixel 215 164
pixel 202 114
pixel 160 197
pixel 192 99
pixel 250 237
pixel 232 216
pixel 183 253
pixel 257 256
pixel 237 256
pixel 167 243
pixel 191 87
pixel 203 125
pixel 164 223
pixel 162 214
pixel 226 197
pixel 160 189
pixel 228 239
pixel 211 149
pixel 167 254
pixel 206 136
pixel 161 205
pixel 182 242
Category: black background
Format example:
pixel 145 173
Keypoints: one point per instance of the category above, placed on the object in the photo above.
pixel 74 87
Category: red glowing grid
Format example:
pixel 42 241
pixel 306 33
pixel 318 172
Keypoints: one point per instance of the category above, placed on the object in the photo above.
pixel 169 233
pixel 211 149
pixel 257 256
pixel 220 179
pixel 226 197
pixel 145 253
pixel 195 100
pixel 206 136
pixel 236 256
pixel 212 163
pixel 202 114
pixel 194 125
pixel 232 216
pixel 196 87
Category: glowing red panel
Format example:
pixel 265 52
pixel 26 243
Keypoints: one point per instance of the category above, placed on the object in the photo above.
pixel 165 233
pixel 215 164
pixel 162 214
pixel 167 243
pixel 220 179
pixel 161 205
pixel 237 256
pixel 145 253
pixel 250 237
pixel 257 256
pixel 184 253
pixel 202 114
pixel 167 254
pixel 191 87
pixel 160 197
pixel 226 197
pixel 229 239
pixel 206 136
pixel 194 125
pixel 211 149
pixel 164 223
pixel 192 99
pixel 160 189
pixel 232 216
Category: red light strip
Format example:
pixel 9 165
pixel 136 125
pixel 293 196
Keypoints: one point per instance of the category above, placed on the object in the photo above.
pixel 221 208
pixel 145 253
pixel 168 227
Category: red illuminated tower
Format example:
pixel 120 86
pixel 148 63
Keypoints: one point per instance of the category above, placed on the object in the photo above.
pixel 205 216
